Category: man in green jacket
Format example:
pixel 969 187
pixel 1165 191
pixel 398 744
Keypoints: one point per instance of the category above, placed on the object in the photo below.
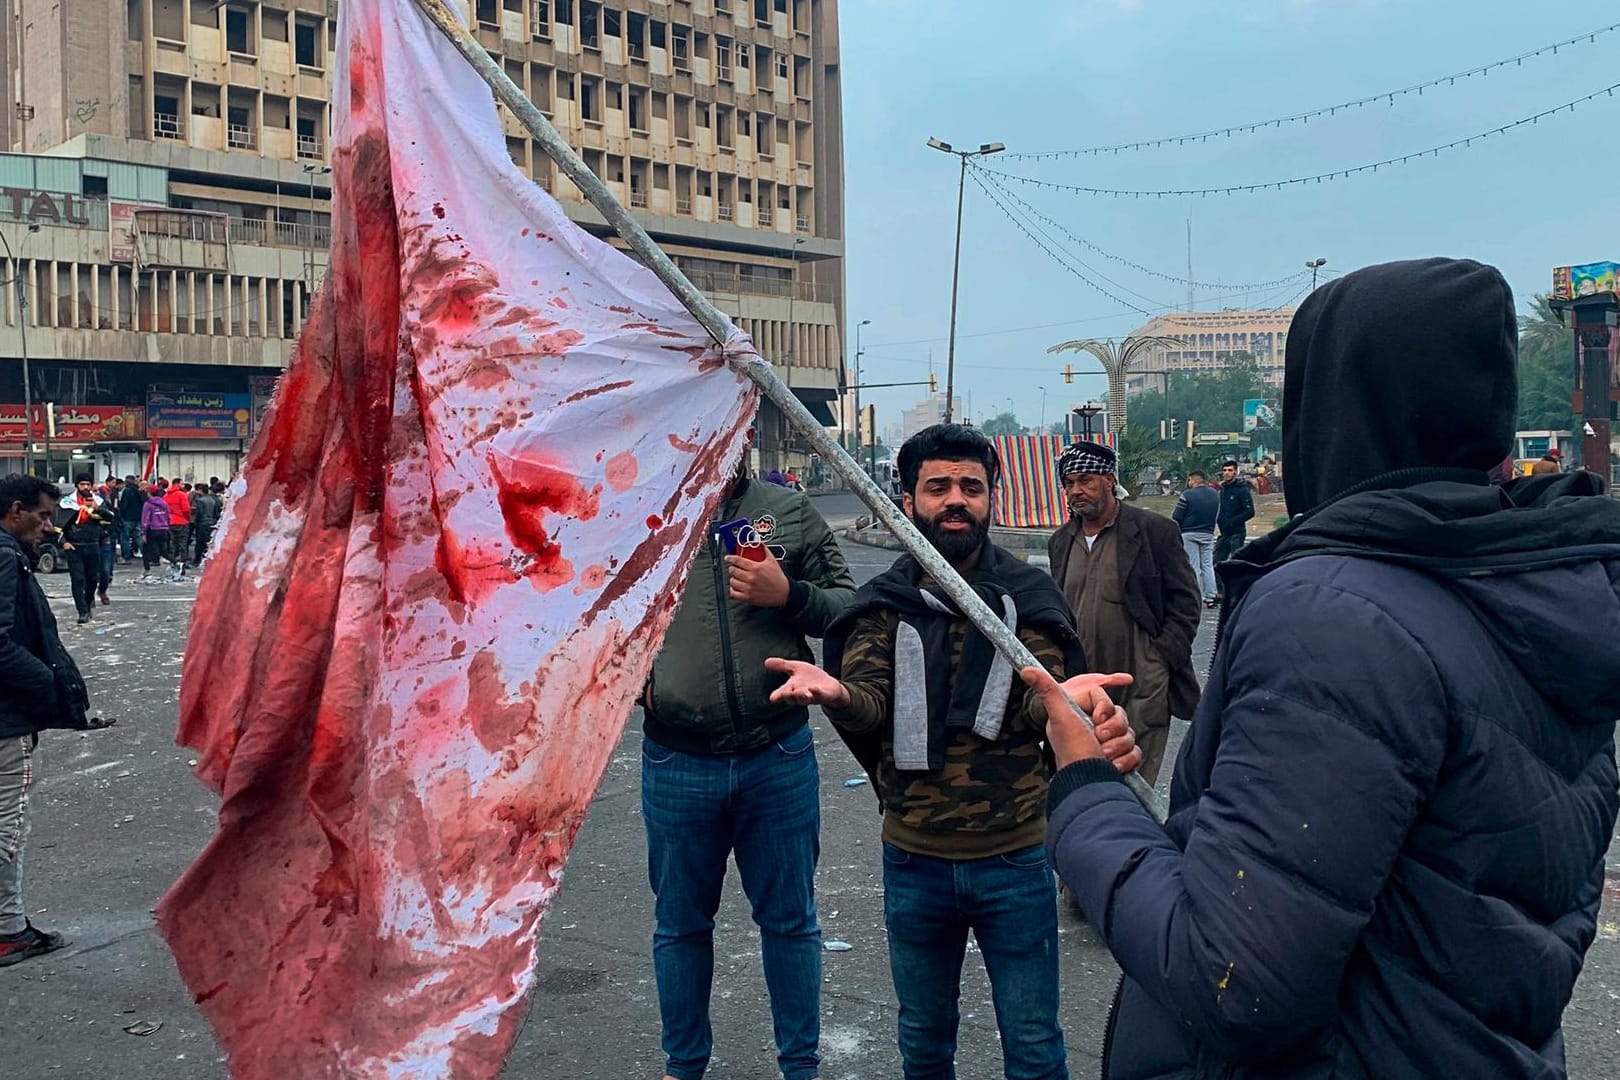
pixel 724 770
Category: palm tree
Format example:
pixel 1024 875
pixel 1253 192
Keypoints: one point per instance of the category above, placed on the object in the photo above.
pixel 1116 362
pixel 1541 331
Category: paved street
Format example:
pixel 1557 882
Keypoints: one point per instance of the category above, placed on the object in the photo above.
pixel 117 816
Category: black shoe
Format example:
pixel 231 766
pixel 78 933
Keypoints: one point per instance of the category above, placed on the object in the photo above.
pixel 84 617
pixel 32 942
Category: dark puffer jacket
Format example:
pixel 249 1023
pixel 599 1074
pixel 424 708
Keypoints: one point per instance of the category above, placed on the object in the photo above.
pixel 1388 824
pixel 40 686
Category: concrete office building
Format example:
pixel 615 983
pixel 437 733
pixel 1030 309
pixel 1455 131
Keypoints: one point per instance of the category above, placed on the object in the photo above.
pixel 165 199
pixel 1210 336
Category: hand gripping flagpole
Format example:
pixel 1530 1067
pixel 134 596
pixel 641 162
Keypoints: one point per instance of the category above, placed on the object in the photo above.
pixel 748 363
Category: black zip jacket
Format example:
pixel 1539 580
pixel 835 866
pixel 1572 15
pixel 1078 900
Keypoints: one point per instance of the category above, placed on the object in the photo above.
pixel 709 688
pixel 40 686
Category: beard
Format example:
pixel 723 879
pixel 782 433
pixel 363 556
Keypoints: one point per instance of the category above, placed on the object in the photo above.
pixel 953 546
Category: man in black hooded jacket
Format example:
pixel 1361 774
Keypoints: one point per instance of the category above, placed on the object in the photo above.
pixel 1385 850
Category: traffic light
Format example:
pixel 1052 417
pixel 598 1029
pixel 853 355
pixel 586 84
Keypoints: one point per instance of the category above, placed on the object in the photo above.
pixel 933 383
pixel 1068 373
pixel 1175 431
pixel 1190 426
pixel 869 425
pixel 1164 431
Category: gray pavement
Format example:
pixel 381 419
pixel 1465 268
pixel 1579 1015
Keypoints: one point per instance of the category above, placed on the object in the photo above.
pixel 117 816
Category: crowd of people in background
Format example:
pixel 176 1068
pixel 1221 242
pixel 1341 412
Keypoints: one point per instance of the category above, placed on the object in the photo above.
pixel 161 523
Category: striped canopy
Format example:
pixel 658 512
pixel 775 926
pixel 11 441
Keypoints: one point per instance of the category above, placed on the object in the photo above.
pixel 1029 495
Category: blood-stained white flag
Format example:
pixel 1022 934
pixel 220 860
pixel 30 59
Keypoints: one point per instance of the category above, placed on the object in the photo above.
pixel 439 584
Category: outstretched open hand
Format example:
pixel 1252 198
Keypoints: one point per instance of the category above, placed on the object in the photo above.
pixel 806 685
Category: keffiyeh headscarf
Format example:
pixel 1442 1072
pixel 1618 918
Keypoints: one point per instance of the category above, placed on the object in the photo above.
pixel 1087 457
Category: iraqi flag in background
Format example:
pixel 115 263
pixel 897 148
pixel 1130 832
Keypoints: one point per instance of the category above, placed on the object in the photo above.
pixel 445 570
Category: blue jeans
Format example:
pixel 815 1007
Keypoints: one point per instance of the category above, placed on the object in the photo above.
pixel 765 806
pixel 1200 548
pixel 129 535
pixel 929 905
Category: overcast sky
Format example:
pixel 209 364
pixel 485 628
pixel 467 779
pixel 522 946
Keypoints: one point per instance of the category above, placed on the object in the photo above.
pixel 1055 74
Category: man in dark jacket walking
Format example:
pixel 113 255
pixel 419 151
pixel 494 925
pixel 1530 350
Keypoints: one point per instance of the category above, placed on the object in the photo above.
pixel 1237 507
pixel 1384 856
pixel 130 501
pixel 40 688
pixel 1135 600
pixel 1196 512
pixel 727 771
pixel 206 506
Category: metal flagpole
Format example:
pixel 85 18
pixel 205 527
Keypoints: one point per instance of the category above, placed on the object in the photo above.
pixel 710 317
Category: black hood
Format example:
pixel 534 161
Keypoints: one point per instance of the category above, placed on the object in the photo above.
pixel 1399 366
pixel 1538 562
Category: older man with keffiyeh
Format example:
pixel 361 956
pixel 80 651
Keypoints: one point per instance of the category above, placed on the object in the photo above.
pixel 1134 596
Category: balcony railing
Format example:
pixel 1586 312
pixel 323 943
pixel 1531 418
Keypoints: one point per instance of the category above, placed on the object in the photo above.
pixel 802 224
pixel 309 147
pixel 167 126
pixel 638 198
pixel 765 217
pixel 683 206
pixel 280 234
pixel 724 212
pixel 710 281
pixel 241 137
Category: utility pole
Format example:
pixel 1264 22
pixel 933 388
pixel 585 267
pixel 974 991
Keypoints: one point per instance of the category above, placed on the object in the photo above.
pixel 956 266
pixel 1189 266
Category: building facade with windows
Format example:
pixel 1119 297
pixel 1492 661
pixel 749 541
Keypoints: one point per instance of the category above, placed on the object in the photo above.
pixel 165 200
pixel 1210 337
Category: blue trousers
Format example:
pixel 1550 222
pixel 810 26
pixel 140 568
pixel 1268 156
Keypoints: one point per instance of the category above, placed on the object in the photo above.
pixel 1008 902
pixel 766 807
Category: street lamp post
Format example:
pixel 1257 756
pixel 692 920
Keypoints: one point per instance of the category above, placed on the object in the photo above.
pixel 1042 431
pixel 792 332
pixel 856 449
pixel 22 334
pixel 1087 411
pixel 1313 266
pixel 312 171
pixel 956 266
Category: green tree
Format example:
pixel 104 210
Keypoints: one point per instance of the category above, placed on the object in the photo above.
pixel 1138 451
pixel 1004 424
pixel 1213 401
pixel 1546 370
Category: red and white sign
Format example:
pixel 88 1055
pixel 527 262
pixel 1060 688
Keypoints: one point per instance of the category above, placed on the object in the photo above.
pixel 75 424
pixel 441 580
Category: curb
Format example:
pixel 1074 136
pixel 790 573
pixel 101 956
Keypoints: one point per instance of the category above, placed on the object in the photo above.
pixel 882 538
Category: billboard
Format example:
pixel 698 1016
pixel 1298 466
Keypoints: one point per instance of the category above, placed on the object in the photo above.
pixel 82 424
pixel 262 389
pixel 198 415
pixel 1570 282
pixel 1261 414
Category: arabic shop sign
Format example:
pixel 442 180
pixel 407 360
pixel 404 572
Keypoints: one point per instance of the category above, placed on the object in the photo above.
pixel 42 207
pixel 198 415
pixel 75 423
